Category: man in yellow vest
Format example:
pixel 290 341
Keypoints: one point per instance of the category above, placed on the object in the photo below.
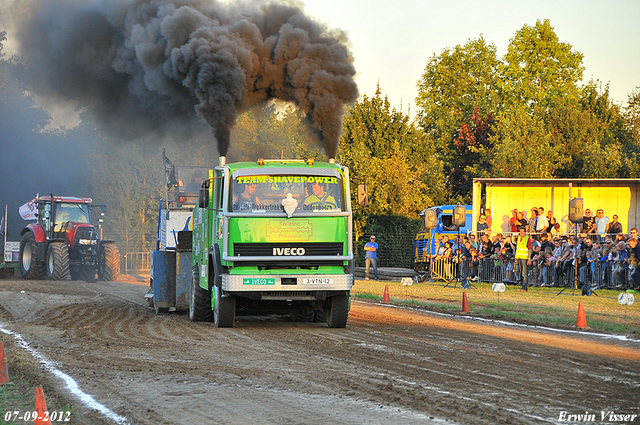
pixel 523 249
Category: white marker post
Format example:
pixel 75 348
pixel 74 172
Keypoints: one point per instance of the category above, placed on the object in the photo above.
pixel 406 281
pixel 497 288
pixel 626 299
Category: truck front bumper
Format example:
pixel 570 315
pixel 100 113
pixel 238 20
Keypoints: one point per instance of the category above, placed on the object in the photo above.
pixel 287 283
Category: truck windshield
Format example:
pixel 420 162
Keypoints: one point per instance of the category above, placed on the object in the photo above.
pixel 300 193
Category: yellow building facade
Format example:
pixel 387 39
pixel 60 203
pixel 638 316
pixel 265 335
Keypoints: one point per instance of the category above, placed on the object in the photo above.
pixel 615 196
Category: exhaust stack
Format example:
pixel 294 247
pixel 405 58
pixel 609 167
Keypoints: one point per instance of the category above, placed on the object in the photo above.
pixel 222 161
pixel 332 160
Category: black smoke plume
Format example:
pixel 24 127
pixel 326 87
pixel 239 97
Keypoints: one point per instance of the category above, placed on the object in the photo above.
pixel 141 67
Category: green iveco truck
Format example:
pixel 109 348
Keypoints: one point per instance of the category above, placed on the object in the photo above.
pixel 273 236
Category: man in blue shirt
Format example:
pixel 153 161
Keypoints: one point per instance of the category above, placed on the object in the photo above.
pixel 370 257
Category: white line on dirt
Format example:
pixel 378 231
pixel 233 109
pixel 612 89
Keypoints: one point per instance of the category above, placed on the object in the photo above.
pixel 502 322
pixel 71 384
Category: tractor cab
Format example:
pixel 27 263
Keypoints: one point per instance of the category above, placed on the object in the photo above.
pixel 57 214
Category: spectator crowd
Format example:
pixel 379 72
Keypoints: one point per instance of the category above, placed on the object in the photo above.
pixel 596 254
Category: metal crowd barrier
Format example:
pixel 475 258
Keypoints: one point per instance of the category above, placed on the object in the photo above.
pixel 599 273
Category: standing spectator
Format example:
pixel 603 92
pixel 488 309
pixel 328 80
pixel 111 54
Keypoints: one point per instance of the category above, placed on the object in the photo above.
pixel 634 233
pixel 523 248
pixel 543 223
pixel 531 225
pixel 371 257
pixel 482 226
pixel 487 213
pixel 634 250
pixel 615 227
pixel 551 220
pixel 602 223
pixel 472 240
pixel 521 221
pixel 513 221
pixel 588 222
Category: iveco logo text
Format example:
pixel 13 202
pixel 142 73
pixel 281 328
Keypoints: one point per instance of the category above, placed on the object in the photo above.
pixel 288 251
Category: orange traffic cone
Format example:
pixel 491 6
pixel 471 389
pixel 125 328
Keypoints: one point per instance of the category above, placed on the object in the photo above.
pixel 582 318
pixel 385 297
pixel 465 303
pixel 4 366
pixel 41 409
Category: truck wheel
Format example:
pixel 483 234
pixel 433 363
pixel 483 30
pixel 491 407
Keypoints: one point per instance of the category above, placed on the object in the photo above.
pixel 303 316
pixel 57 261
pixel 320 316
pixel 224 313
pixel 199 300
pixel 339 311
pixel 109 263
pixel 30 268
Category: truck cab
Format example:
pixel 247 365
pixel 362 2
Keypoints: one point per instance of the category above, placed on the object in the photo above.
pixel 273 236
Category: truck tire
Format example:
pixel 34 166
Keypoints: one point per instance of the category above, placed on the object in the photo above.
pixel 224 312
pixel 30 267
pixel 339 311
pixel 199 300
pixel 58 261
pixel 109 268
pixel 303 316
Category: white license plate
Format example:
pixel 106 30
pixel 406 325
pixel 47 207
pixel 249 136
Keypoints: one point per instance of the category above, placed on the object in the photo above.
pixel 317 281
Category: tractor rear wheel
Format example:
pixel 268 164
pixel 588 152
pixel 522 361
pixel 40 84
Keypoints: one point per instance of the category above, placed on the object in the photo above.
pixel 199 300
pixel 58 261
pixel 339 311
pixel 109 263
pixel 30 267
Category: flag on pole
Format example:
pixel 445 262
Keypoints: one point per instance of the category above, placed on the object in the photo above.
pixel 169 171
pixel 29 210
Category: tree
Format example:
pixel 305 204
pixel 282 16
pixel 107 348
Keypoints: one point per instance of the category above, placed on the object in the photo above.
pixel 454 85
pixel 273 130
pixel 521 147
pixel 385 151
pixel 539 68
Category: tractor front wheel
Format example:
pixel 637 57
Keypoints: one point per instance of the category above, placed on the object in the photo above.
pixel 109 263
pixel 57 261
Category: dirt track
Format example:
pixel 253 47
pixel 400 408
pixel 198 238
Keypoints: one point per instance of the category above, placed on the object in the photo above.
pixel 389 365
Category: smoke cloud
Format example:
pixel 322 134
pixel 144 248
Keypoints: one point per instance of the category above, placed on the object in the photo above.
pixel 142 67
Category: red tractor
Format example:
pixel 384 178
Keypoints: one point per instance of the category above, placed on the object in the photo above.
pixel 63 243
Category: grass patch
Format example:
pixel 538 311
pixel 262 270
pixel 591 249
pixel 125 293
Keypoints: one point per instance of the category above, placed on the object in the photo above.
pixel 538 306
pixel 19 394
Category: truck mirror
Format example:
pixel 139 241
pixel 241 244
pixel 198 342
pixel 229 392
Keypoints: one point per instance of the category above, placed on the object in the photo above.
pixel 363 195
pixel 430 218
pixel 203 198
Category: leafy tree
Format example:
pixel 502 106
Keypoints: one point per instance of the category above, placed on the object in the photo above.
pixel 392 157
pixel 455 85
pixel 632 115
pixel 522 146
pixel 540 68
pixel 272 130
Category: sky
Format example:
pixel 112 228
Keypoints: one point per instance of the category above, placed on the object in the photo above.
pixel 392 41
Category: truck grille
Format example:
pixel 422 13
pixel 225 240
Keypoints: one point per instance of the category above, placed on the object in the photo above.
pixel 286 249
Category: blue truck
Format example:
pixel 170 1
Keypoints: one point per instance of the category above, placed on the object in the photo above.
pixel 426 241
